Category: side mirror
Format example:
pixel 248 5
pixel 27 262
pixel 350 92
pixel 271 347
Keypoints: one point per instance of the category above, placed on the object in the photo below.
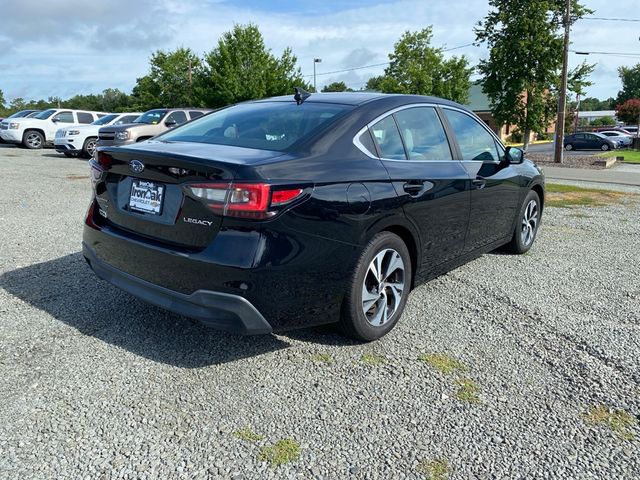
pixel 171 123
pixel 514 155
pixel 55 120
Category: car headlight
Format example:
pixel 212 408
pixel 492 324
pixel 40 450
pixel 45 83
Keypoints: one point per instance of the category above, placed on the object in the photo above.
pixel 73 132
pixel 14 126
pixel 122 135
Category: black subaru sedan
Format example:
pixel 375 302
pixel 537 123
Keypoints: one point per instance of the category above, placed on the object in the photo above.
pixel 310 209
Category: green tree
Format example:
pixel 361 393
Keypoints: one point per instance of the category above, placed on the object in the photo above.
pixel 525 57
pixel 170 81
pixel 374 83
pixel 590 104
pixel 415 67
pixel 604 122
pixel 242 68
pixel 629 112
pixel 2 100
pixel 337 87
pixel 630 77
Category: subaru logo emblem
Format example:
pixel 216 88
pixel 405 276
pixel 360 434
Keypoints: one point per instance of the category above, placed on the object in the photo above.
pixel 136 166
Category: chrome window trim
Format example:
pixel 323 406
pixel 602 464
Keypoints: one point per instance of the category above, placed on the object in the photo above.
pixel 363 149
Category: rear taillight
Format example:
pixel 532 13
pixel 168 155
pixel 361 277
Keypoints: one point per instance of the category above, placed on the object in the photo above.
pixel 246 200
pixel 104 160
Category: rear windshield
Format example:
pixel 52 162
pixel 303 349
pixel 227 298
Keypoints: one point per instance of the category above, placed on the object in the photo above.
pixel 105 120
pixel 45 114
pixel 151 117
pixel 264 125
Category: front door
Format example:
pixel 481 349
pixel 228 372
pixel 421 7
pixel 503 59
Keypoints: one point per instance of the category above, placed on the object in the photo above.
pixel 495 184
pixel 432 186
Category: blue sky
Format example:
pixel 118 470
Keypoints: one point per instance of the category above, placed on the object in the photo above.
pixel 66 47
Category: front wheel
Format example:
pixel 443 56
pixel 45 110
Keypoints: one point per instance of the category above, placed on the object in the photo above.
pixel 378 291
pixel 89 147
pixel 605 147
pixel 33 140
pixel 527 226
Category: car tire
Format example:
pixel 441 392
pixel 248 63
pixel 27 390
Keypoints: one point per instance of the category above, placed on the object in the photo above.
pixel 568 147
pixel 33 140
pixel 527 226
pixel 89 147
pixel 605 147
pixel 370 318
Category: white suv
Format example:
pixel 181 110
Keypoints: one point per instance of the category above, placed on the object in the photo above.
pixel 34 132
pixel 81 140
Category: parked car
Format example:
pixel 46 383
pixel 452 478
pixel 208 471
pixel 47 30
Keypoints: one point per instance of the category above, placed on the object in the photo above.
pixel 631 129
pixel 81 140
pixel 149 125
pixel 281 213
pixel 39 130
pixel 18 114
pixel 623 139
pixel 589 141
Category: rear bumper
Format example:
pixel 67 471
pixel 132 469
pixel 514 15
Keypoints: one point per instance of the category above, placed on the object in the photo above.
pixel 219 310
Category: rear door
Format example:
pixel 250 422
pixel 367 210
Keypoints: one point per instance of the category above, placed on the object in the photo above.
pixel 495 184
pixel 58 120
pixel 432 186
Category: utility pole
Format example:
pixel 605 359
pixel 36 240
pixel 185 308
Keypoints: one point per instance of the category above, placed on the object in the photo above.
pixel 315 60
pixel 562 100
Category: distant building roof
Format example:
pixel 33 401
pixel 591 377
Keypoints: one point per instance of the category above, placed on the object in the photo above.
pixel 478 100
pixel 596 114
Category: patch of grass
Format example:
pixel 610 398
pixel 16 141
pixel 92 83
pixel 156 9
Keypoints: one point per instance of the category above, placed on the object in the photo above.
pixel 619 421
pixel 322 358
pixel 281 452
pixel 468 391
pixel 437 469
pixel 567 196
pixel 630 156
pixel 443 363
pixel 373 359
pixel 248 435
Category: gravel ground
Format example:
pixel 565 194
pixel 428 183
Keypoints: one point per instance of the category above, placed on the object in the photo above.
pixel 96 384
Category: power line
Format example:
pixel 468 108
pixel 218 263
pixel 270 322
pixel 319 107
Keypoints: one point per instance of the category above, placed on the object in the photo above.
pixel 603 19
pixel 380 64
pixel 619 54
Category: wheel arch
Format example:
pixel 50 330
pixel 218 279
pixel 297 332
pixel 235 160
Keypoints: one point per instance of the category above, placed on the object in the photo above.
pixel 35 129
pixel 539 189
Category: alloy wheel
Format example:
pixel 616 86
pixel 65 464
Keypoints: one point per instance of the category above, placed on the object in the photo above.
pixel 34 140
pixel 91 147
pixel 529 223
pixel 383 287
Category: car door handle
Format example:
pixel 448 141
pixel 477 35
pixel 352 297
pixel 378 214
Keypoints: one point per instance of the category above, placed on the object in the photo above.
pixel 413 187
pixel 479 183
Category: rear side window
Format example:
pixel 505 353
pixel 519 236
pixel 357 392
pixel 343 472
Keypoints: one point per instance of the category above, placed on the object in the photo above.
pixel 64 117
pixel 261 125
pixel 423 134
pixel 179 117
pixel 475 142
pixel 84 117
pixel 387 137
pixel 195 114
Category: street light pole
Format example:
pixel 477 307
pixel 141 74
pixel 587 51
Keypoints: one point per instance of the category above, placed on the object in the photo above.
pixel 315 60
pixel 562 100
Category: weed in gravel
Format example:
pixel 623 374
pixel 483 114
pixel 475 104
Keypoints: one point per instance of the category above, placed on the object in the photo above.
pixel 322 358
pixel 566 196
pixel 619 421
pixel 443 363
pixel 248 435
pixel 437 469
pixel 373 359
pixel 468 391
pixel 579 215
pixel 281 452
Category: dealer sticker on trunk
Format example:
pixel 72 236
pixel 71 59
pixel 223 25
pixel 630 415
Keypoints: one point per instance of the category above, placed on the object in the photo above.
pixel 146 197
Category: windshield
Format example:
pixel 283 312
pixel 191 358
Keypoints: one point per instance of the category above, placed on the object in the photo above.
pixel 105 120
pixel 151 117
pixel 262 125
pixel 20 114
pixel 45 114
pixel 33 114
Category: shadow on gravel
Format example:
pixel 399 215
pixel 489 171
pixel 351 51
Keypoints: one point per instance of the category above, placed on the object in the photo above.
pixel 68 290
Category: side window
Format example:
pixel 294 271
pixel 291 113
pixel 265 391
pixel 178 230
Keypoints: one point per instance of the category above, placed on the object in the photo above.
pixel 195 114
pixel 366 141
pixel 179 117
pixel 501 152
pixel 64 117
pixel 474 140
pixel 387 137
pixel 423 134
pixel 125 120
pixel 84 117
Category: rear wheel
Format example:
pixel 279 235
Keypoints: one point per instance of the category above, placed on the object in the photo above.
pixel 527 226
pixel 605 147
pixel 568 146
pixel 33 140
pixel 378 290
pixel 89 147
